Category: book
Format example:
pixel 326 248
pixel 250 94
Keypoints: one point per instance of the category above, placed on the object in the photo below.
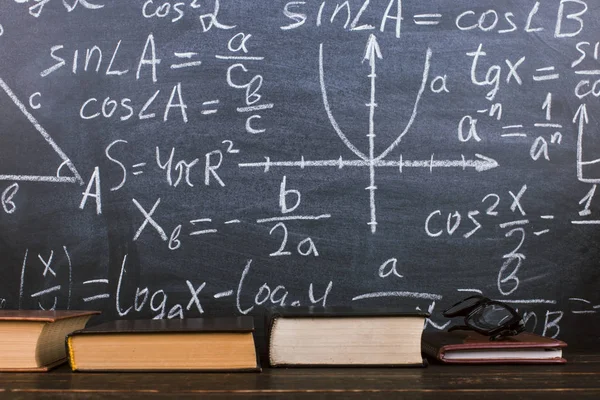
pixel 194 344
pixel 472 347
pixel 34 340
pixel 343 336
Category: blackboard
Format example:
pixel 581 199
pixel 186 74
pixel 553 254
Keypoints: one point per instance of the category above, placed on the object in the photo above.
pixel 169 159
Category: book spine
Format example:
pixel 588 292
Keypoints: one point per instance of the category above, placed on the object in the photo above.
pixel 271 324
pixel 430 350
pixel 71 354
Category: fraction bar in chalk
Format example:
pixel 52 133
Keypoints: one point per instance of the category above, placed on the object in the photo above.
pixel 588 222
pixel 414 295
pixel 517 134
pixel 514 223
pixel 95 281
pixel 470 290
pixel 294 218
pixel 243 58
pixel 255 108
pixel 527 301
pixel 588 72
pixel 578 299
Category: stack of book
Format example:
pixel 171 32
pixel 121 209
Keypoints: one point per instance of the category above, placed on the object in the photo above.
pixel 41 340
pixel 298 337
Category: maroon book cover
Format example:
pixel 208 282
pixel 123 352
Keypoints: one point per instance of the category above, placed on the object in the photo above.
pixel 460 347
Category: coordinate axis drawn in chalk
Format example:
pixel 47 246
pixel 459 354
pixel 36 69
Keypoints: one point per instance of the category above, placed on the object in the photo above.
pixel 370 160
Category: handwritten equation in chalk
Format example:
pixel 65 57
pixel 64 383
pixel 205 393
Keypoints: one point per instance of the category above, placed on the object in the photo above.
pixel 165 159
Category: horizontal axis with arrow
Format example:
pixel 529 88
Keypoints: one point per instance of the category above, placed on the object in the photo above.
pixel 480 163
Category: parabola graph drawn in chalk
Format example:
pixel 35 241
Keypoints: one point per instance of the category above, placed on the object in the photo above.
pixel 66 162
pixel 370 160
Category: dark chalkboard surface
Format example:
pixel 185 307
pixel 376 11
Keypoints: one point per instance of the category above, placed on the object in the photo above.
pixel 171 159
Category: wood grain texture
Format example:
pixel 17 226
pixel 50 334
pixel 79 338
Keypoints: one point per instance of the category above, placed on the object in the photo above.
pixel 580 378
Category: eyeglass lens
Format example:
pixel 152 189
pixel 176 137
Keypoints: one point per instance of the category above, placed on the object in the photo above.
pixel 490 317
pixel 463 305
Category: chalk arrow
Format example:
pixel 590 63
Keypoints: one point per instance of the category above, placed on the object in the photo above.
pixel 372 51
pixel 484 163
pixel 581 116
pixel 481 163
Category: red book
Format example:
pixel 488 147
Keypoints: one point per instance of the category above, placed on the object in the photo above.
pixel 468 347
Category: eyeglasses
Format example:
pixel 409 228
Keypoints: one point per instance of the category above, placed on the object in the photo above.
pixel 488 317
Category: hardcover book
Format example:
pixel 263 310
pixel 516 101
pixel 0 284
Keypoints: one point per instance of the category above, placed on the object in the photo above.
pixel 341 336
pixel 461 347
pixel 34 340
pixel 195 344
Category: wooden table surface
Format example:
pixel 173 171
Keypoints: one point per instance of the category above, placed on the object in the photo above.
pixel 580 378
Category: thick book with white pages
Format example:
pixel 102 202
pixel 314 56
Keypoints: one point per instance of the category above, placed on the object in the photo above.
pixel 341 336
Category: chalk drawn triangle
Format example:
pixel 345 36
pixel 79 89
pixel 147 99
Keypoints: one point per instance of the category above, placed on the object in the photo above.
pixel 70 172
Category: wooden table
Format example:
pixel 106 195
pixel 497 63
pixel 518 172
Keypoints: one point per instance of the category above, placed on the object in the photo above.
pixel 580 378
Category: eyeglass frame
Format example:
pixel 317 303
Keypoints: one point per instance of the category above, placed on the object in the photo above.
pixel 512 327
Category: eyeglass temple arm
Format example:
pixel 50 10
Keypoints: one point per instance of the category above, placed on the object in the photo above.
pixel 466 310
